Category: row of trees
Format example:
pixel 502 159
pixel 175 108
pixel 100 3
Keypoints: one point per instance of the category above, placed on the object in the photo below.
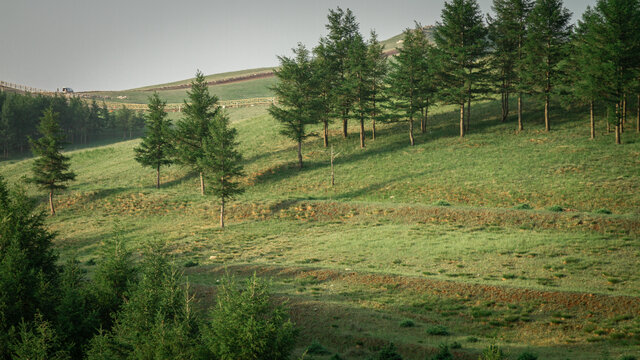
pixel 527 48
pixel 126 310
pixel 80 121
pixel 202 140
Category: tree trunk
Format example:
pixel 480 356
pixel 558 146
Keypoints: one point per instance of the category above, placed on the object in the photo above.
pixel 593 123
pixel 332 172
pixel 411 129
pixel 462 119
pixel 520 125
pixel 344 124
pixel 201 183
pixel 547 126
pixel 158 177
pixel 624 113
pixel 506 107
pixel 468 112
pixel 325 134
pixel 222 213
pixel 422 124
pixel 618 142
pixel 299 154
pixel 53 211
pixel 373 129
pixel 638 118
pixel 618 124
pixel 361 132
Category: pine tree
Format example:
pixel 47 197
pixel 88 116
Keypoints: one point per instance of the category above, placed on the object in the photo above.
pixel 298 97
pixel 461 46
pixel 156 148
pixel 323 79
pixel 360 69
pixel 507 33
pixel 193 129
pixel 545 47
pixel 222 162
pixel 51 168
pixel 616 27
pixel 378 74
pixel 407 77
pixel 343 29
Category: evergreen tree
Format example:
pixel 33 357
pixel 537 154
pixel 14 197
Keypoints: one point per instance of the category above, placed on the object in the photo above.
pixel 343 29
pixel 546 45
pixel 123 119
pixel 378 74
pixel 461 46
pixel 28 271
pixel 298 101
pixel 51 168
pixel 406 80
pixel 507 32
pixel 360 68
pixel 222 161
pixel 323 78
pixel 192 130
pixel 156 147
pixel 616 27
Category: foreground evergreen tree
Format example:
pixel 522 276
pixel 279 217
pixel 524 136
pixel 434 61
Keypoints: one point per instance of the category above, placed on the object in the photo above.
pixel 51 168
pixel 546 46
pixel 156 148
pixel 248 312
pixel 222 162
pixel 461 45
pixel 507 32
pixel 361 71
pixel 408 74
pixel 28 273
pixel 298 100
pixel 191 131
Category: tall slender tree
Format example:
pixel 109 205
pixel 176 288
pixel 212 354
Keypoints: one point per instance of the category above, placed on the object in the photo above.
pixel 461 46
pixel 360 70
pixel 156 148
pixel 51 168
pixel 298 100
pixel 191 131
pixel 378 73
pixel 222 162
pixel 546 45
pixel 507 32
pixel 324 78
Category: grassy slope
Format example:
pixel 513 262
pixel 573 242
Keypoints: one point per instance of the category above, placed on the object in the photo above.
pixel 378 222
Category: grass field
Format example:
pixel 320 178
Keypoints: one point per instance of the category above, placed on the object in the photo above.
pixel 417 245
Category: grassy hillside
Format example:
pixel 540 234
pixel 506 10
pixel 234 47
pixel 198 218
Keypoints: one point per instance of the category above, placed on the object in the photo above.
pixel 382 248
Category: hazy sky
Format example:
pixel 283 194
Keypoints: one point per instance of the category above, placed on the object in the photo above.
pixel 116 44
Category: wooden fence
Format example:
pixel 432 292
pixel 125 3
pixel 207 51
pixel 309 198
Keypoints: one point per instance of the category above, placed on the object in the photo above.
pixel 178 107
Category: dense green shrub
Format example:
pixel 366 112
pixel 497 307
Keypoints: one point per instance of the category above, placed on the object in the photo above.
pixel 315 348
pixel 527 356
pixel 437 330
pixel 443 353
pixel 388 352
pixel 248 312
pixel 492 352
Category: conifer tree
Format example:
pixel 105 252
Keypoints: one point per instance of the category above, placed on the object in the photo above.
pixel 51 168
pixel 616 26
pixel 156 148
pixel 343 29
pixel 298 100
pixel 546 45
pixel 222 161
pixel 360 70
pixel 323 79
pixel 191 131
pixel 507 32
pixel 378 74
pixel 407 77
pixel 461 47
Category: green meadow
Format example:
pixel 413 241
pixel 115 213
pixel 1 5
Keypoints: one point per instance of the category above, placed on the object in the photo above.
pixel 526 240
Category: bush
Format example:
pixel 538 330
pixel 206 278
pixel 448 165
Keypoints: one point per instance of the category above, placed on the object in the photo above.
pixel 388 353
pixel 523 207
pixel 492 352
pixel 603 211
pixel 527 356
pixel 438 330
pixel 443 353
pixel 407 323
pixel 555 208
pixel 442 203
pixel 317 349
pixel 248 313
